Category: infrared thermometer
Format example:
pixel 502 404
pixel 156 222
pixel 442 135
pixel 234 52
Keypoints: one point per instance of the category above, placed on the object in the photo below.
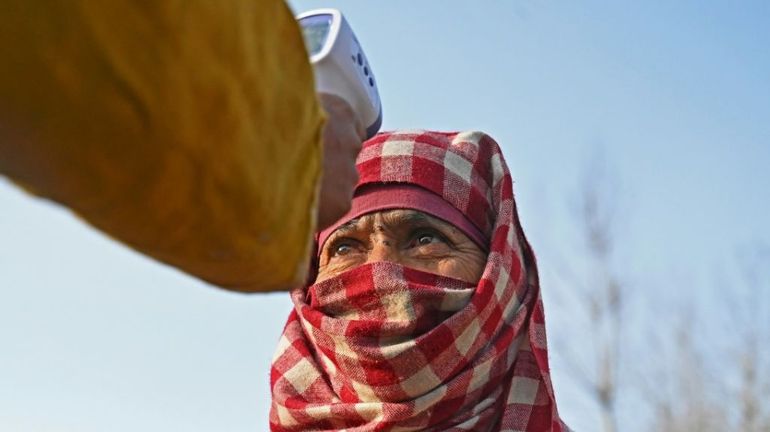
pixel 340 65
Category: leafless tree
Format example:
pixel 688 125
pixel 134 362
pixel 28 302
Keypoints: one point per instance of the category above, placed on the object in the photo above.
pixel 732 393
pixel 698 367
pixel 753 340
pixel 688 401
pixel 598 295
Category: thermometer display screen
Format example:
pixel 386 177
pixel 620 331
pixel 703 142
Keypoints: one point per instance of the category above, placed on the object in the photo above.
pixel 315 29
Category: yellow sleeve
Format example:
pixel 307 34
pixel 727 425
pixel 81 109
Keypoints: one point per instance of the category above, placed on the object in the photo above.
pixel 190 131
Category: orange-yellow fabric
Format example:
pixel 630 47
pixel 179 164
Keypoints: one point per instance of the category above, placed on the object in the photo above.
pixel 188 130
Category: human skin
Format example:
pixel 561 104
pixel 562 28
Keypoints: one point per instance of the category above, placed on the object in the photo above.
pixel 407 237
pixel 342 137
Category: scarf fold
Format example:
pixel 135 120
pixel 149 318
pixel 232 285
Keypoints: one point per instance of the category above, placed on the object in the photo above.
pixel 385 347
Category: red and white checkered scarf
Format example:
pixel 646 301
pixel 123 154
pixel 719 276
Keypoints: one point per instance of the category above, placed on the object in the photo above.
pixel 385 347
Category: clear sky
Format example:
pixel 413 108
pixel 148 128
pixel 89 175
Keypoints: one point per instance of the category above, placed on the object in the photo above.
pixel 675 96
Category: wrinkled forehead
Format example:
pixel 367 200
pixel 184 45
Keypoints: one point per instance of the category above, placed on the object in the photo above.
pixel 389 219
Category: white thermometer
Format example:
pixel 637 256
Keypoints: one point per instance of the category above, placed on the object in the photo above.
pixel 340 65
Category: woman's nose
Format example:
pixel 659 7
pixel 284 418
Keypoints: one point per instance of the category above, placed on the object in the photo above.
pixel 384 249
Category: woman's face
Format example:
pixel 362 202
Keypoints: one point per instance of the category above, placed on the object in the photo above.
pixel 407 237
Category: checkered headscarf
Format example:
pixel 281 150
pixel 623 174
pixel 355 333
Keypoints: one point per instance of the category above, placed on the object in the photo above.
pixel 385 347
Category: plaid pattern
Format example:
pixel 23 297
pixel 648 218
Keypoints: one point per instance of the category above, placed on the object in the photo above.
pixel 384 347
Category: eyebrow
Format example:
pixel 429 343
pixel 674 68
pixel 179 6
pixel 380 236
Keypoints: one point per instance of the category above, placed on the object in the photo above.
pixel 347 226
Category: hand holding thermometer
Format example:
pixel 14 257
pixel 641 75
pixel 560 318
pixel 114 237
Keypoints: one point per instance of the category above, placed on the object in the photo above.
pixel 340 65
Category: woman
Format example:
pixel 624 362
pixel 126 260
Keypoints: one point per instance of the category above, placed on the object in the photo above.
pixel 423 311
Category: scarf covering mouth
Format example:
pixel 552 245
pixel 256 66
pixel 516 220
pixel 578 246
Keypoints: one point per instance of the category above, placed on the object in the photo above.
pixel 383 347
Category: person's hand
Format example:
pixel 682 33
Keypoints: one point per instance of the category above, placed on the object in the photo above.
pixel 342 138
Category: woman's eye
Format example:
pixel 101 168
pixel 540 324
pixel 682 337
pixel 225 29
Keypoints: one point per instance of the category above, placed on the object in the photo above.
pixel 342 249
pixel 426 239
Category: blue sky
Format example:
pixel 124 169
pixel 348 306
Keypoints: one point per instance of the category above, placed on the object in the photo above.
pixel 673 96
